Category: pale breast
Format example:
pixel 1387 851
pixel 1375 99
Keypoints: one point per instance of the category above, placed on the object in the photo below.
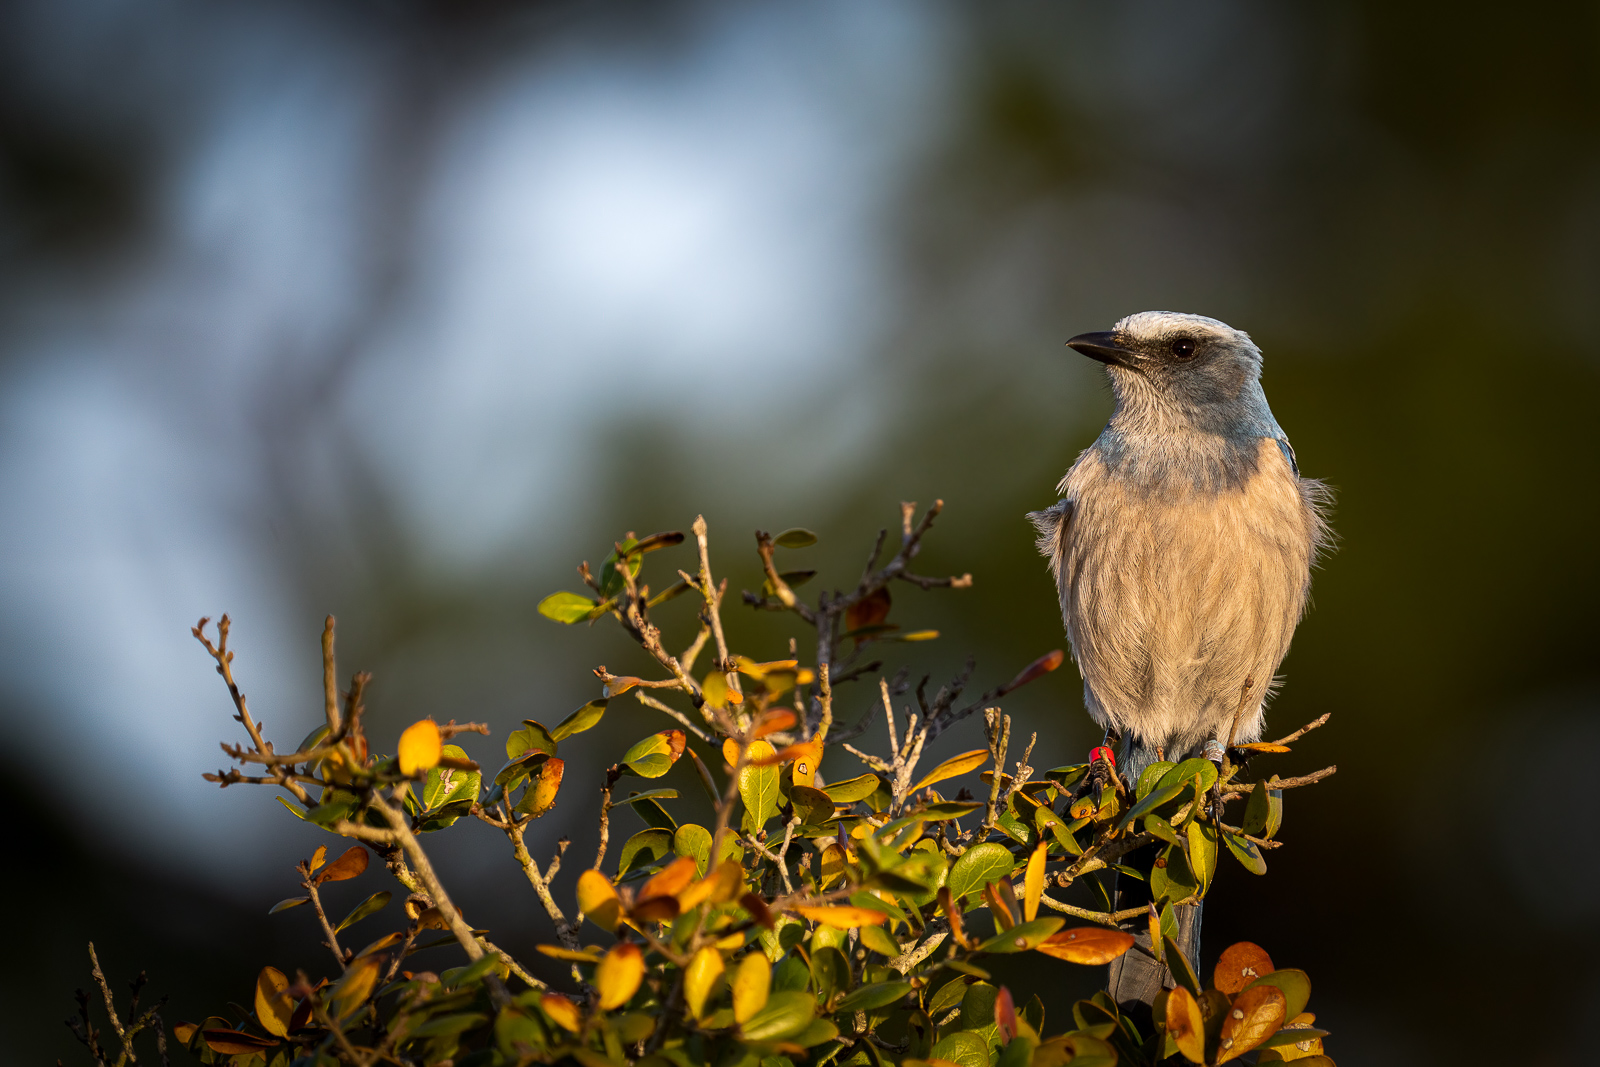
pixel 1173 595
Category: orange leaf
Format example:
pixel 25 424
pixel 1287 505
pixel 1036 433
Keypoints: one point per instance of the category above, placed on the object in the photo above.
pixel 718 887
pixel 421 745
pixel 1256 1015
pixel 773 721
pixel 1239 965
pixel 1263 746
pixel 952 912
pixel 676 740
pixel 869 611
pixel 843 917
pixel 1185 1026
pixel 1088 945
pixel 670 880
pixel 563 1012
pixel 1003 917
pixel 347 866
pixel 656 909
pixel 618 686
pixel 730 752
pixel 1005 1014
pixel 783 755
pixel 806 764
pixel 1037 669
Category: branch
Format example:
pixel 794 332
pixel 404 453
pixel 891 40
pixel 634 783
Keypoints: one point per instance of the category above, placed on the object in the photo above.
pixel 1306 729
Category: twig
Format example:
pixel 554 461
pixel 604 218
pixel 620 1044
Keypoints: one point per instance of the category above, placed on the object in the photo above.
pixel 1285 783
pixel 1306 729
pixel 330 937
pixel 683 720
pixel 330 686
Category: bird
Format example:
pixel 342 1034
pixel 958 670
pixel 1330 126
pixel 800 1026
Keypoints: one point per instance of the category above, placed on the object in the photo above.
pixel 1182 549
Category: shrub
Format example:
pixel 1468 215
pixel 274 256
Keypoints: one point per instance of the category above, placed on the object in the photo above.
pixel 815 921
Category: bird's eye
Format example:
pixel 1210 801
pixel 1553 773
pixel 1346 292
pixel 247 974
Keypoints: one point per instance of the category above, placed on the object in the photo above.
pixel 1183 348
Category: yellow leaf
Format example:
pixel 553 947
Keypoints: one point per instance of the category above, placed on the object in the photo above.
pixel 598 900
pixel 805 765
pixel 420 747
pixel 351 991
pixel 559 952
pixel 715 689
pixel 1033 883
pixel 730 752
pixel 618 975
pixel 544 788
pixel 274 1009
pixel 832 865
pixel 843 917
pixel 563 1012
pixel 1185 1026
pixel 967 761
pixel 700 980
pixel 318 858
pixel 805 676
pixel 752 982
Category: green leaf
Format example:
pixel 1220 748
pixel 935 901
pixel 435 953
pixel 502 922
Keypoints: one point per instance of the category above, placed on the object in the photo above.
pixel 446 785
pixel 813 806
pixel 531 737
pixel 978 866
pixel 644 847
pixel 785 1015
pixel 611 582
pixel 758 788
pixel 949 809
pixel 294 809
pixel 852 789
pixel 653 813
pixel 1173 881
pixel 1292 1037
pixel 1155 824
pixel 583 719
pixel 1152 774
pixel 830 971
pixel 1024 936
pixel 515 770
pixel 1202 852
pixel 1246 852
pixel 874 996
pixel 1296 988
pixel 694 841
pixel 963 1048
pixel 1187 770
pixel 651 757
pixel 1018 1051
pixel 336 805
pixel 815 1033
pixel 1263 813
pixel 1069 776
pixel 371 906
pixel 878 940
pixel 1153 800
pixel 472 972
pixel 795 537
pixel 566 607
pixel 948 996
pixel 444 1025
pixel 285 905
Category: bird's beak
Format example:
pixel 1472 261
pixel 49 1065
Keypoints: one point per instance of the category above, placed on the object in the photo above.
pixel 1104 347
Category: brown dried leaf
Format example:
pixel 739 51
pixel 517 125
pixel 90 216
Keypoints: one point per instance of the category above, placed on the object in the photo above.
pixel 868 611
pixel 1256 1015
pixel 346 867
pixel 1239 965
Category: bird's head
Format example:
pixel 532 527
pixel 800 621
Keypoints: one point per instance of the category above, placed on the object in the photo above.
pixel 1186 365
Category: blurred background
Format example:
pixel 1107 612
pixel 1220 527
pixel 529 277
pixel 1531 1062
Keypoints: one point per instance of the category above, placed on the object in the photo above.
pixel 399 311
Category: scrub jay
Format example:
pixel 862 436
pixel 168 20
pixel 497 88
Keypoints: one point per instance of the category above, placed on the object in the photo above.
pixel 1182 547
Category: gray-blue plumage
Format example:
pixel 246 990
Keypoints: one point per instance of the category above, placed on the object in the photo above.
pixel 1184 541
